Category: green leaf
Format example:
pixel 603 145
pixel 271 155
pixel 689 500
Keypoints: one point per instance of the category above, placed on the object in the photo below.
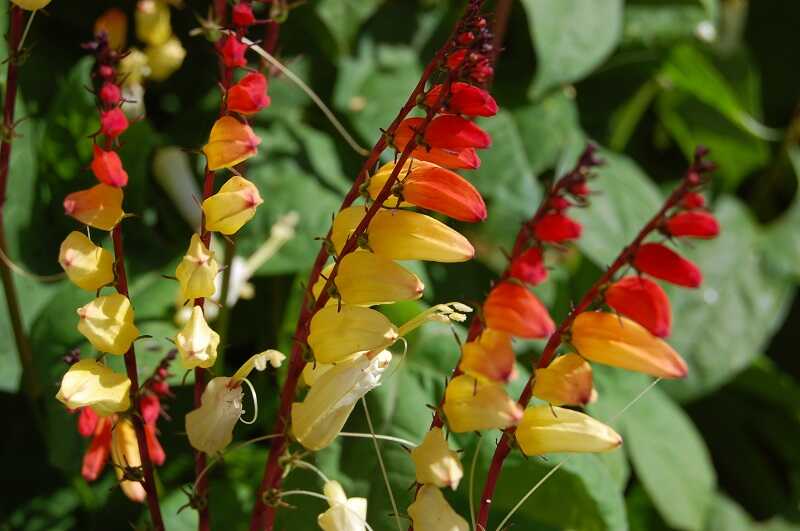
pixel 571 37
pixel 343 18
pixel 782 241
pixel 660 25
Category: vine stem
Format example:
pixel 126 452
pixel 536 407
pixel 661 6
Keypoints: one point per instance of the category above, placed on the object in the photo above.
pixel 690 181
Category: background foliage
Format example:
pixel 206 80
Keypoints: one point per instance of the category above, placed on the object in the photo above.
pixel 646 79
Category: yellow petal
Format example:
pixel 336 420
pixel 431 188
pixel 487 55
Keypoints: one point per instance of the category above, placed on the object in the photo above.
pixel 338 334
pixel 88 266
pixel 431 512
pixel 31 5
pixel 89 383
pixel 125 453
pixel 107 322
pixel 210 427
pixel 197 271
pixel 153 22
pixel 230 143
pixel 234 205
pixel 567 380
pixel 164 59
pixel 133 68
pixel 489 357
pixel 312 371
pixel 197 343
pixel 345 514
pixel 472 405
pixel 435 463
pixel 546 429
pixel 100 206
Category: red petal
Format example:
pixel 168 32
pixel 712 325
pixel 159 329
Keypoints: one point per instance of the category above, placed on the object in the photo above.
pixel 87 421
pixel 664 263
pixel 107 167
pixel 157 455
pixel 449 131
pixel 643 301
pixel 113 123
pixel 150 406
pixel 97 454
pixel 693 200
pixel 693 224
pixel 529 267
pixel 464 99
pixel 446 192
pixel 557 227
pixel 249 95
pixel 514 309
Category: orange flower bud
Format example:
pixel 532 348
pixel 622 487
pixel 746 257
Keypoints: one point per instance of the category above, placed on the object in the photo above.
pixel 125 454
pixel 642 300
pixel 473 405
pixel 230 143
pixel 435 463
pixel 197 343
pixel 197 271
pixel 489 357
pixel 107 322
pixel 100 206
pixel 153 22
pixel 234 205
pixel 88 383
pixel 249 95
pixel 566 381
pixel 514 309
pixel 431 512
pixel 107 167
pixel 88 266
pixel 114 23
pixel 339 334
pixel 614 340
pixel 547 429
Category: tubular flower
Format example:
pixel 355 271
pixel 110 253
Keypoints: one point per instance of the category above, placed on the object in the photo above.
pixel 96 456
pixel 664 263
pixel 547 429
pixel 197 271
pixel 249 95
pixel 642 300
pixel 366 279
pixel 464 99
pixel 613 340
pixel 344 514
pixel 234 205
pixel 107 322
pixel 100 206
pixel 318 419
pixel 432 187
pixel 339 334
pixel 431 512
pixel 514 309
pixel 404 235
pixel 107 167
pixel 557 227
pixel 89 383
pixel 87 265
pixel 693 224
pixel 566 381
pixel 435 463
pixel 153 24
pixel 125 455
pixel 31 5
pixel 489 357
pixel 451 142
pixel 114 23
pixel 197 343
pixel 473 405
pixel 529 267
pixel 113 123
pixel 230 143
pixel 165 58
pixel 233 52
pixel 242 15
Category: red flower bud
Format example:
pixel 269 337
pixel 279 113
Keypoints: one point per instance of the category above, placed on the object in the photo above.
pixel 233 52
pixel 464 99
pixel 455 59
pixel 160 388
pixel 243 15
pixel 643 301
pixel 580 189
pixel 693 200
pixel 107 167
pixel 151 408
pixel 514 309
pixel 693 224
pixel 450 131
pixel 447 144
pixel 87 421
pixel 113 123
pixel 110 94
pixel 482 71
pixel 99 450
pixel 105 71
pixel 529 267
pixel 664 263
pixel 157 455
pixel 466 38
pixel 557 227
pixel 559 203
pixel 249 95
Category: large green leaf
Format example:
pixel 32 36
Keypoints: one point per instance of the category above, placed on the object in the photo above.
pixel 782 242
pixel 343 18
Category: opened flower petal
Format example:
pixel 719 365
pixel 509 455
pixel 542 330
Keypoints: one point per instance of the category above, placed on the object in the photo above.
pixel 230 143
pixel 87 265
pixel 547 429
pixel 338 334
pixel 100 206
pixel 89 383
pixel 234 205
pixel 566 381
pixel 107 322
pixel 474 405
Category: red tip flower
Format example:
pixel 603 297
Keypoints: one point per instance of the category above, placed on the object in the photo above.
pixel 110 94
pixel 113 123
pixel 243 15
pixel 693 224
pixel 233 52
pixel 664 263
pixel 529 267
pixel 464 99
pixel 557 227
pixel 449 141
pixel 249 95
pixel 693 200
pixel 514 309
pixel 643 301
pixel 107 167
pixel 87 421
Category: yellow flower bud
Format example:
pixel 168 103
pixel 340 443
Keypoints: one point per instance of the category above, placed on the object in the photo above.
pixel 164 59
pixel 318 419
pixel 431 512
pixel 107 322
pixel 617 341
pixel 567 380
pixel 31 5
pixel 233 206
pixel 473 405
pixel 153 22
pixel 345 514
pixel 338 334
pixel 87 265
pixel 197 271
pixel 435 463
pixel 490 357
pixel 230 143
pixel 365 279
pixel 546 429
pixel 404 235
pixel 89 383
pixel 197 343
pixel 125 454
pixel 100 206
pixel 133 68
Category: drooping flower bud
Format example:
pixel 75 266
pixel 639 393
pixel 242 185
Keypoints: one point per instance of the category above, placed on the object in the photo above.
pixel 664 263
pixel 557 227
pixel 642 300
pixel 197 271
pixel 165 59
pixel 404 235
pixel 89 383
pixel 249 95
pixel 31 5
pixel 113 122
pixel 230 143
pixel 547 429
pixel 464 99
pixel 693 200
pixel 233 52
pixel 114 23
pixel 125 455
pixel 153 24
pixel 529 267
pixel 107 322
pixel 234 205
pixel 107 167
pixel 88 266
pixel 96 456
pixel 473 405
pixel 566 381
pixel 339 334
pixel 435 463
pixel 100 206
pixel 514 309
pixel 318 419
pixel 429 186
pixel 110 94
pixel 614 340
pixel 431 512
pixel 693 224
pixel 490 357
pixel 242 15
pixel 344 514
pixel 197 343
